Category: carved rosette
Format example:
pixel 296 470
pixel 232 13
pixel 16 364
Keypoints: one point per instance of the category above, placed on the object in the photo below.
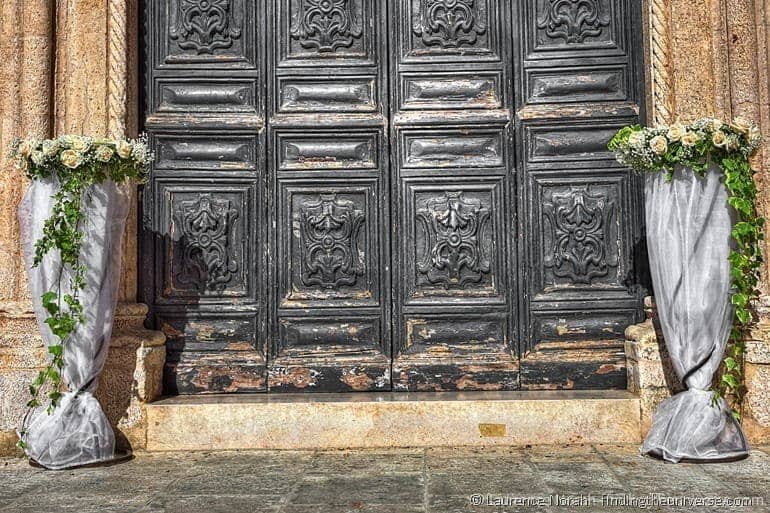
pixel 448 23
pixel 572 20
pixel 206 226
pixel 329 231
pixel 454 228
pixel 580 227
pixel 203 25
pixel 325 25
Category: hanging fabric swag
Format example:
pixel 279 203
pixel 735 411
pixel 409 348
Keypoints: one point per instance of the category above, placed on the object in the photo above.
pixel 77 432
pixel 689 225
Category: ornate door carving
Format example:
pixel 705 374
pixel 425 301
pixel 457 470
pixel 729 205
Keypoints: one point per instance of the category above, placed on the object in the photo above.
pixel 358 195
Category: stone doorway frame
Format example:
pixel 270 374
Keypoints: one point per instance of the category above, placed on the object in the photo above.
pixel 75 68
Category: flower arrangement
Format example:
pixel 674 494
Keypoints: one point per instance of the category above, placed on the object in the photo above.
pixel 75 163
pixel 695 146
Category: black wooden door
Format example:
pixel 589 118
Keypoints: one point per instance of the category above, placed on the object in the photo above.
pixel 391 195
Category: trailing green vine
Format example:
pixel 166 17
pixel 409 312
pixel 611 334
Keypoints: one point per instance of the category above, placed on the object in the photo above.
pixel 75 163
pixel 696 146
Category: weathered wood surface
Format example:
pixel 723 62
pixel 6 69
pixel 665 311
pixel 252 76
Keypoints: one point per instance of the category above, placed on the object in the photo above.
pixel 404 195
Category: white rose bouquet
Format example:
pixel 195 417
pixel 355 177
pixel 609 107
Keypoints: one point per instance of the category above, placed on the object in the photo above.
pixel 693 145
pixel 67 155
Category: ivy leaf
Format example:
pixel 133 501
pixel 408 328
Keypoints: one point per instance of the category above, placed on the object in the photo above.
pixel 730 381
pixel 40 379
pixel 50 303
pixel 739 299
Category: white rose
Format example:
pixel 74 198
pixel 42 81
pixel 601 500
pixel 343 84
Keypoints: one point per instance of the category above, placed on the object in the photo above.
pixel 741 125
pixel 50 147
pixel 659 145
pixel 754 134
pixel 104 153
pixel 38 158
pixel 719 139
pixel 22 164
pixel 675 132
pixel 25 148
pixel 715 125
pixel 636 139
pixel 80 144
pixel 124 149
pixel 690 139
pixel 71 158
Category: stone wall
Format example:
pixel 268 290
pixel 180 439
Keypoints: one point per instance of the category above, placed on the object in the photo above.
pixel 74 69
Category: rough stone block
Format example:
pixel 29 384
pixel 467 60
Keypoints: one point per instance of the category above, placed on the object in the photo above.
pixel 756 418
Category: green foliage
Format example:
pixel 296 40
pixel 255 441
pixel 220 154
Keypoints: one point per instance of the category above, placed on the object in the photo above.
pixel 696 146
pixel 75 163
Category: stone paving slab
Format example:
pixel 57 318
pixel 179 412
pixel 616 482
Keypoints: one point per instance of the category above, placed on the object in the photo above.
pixel 552 479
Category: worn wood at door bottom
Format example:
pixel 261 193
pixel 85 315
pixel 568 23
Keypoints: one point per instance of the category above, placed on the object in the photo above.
pixel 360 373
pixel 427 373
pixel 215 373
pixel 575 365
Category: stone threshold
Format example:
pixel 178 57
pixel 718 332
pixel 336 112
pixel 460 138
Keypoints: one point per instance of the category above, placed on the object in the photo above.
pixel 376 420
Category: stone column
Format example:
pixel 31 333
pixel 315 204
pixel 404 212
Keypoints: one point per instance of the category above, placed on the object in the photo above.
pixel 26 53
pixel 757 361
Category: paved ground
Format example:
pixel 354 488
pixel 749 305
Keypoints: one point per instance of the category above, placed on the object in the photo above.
pixel 391 481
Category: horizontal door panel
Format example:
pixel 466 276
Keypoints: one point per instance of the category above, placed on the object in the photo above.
pixel 481 90
pixel 335 94
pixel 314 337
pixel 309 150
pixel 460 336
pixel 442 148
pixel 577 85
pixel 212 97
pixel 570 142
pixel 205 151
pixel 202 331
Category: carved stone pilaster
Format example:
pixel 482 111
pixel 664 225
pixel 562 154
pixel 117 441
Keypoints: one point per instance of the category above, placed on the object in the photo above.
pixel 661 61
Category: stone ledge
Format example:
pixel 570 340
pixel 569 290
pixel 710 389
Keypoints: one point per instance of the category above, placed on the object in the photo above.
pixel 370 420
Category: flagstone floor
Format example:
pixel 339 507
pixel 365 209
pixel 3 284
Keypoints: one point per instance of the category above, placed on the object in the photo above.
pixel 571 479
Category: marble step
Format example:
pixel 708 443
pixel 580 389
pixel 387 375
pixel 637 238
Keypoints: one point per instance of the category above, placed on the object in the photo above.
pixel 371 420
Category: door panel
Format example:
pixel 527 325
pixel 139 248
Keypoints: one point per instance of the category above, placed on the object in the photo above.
pixel 581 213
pixel 203 219
pixel 453 174
pixel 329 197
pixel 406 195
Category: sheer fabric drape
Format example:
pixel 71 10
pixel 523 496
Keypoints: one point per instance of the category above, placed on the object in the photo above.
pixel 77 432
pixel 689 224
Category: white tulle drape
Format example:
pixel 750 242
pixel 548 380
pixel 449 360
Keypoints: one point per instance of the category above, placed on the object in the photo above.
pixel 77 432
pixel 689 224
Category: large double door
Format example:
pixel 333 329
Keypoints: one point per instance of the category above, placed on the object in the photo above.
pixel 391 195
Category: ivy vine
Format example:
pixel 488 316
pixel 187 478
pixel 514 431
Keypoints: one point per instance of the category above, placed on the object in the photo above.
pixel 76 164
pixel 696 146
